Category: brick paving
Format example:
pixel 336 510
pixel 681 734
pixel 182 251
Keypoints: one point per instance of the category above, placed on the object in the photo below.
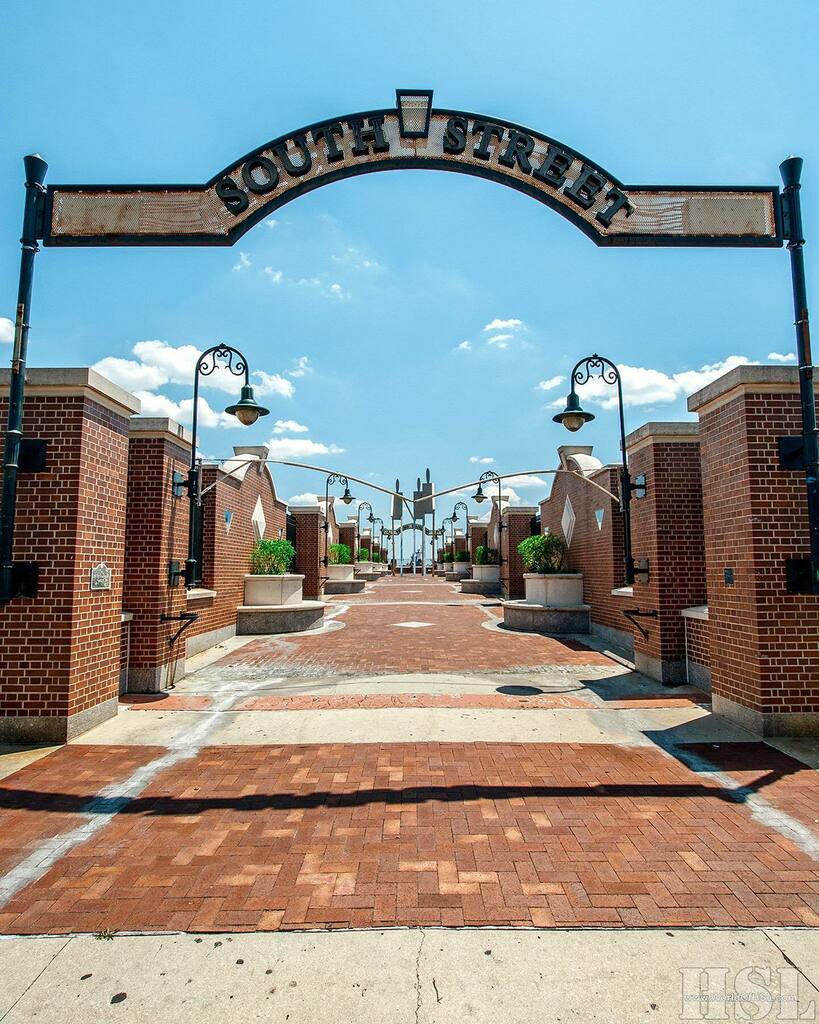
pixel 374 642
pixel 288 837
pixel 43 799
pixel 376 701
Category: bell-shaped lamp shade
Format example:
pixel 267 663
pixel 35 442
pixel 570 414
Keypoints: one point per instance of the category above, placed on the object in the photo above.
pixel 247 410
pixel 479 496
pixel 573 416
pixel 347 497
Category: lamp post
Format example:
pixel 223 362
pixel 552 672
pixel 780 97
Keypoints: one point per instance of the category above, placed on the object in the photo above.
pixel 574 416
pixel 480 497
pixel 346 498
pixel 367 505
pixel 448 522
pixel 380 521
pixel 247 410
pixel 463 505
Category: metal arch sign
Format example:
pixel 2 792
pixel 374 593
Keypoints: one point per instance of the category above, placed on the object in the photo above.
pixel 413 134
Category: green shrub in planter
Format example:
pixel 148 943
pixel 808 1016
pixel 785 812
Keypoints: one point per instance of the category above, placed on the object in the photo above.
pixel 363 555
pixel 461 556
pixel 376 556
pixel 271 557
pixel 340 554
pixel 485 555
pixel 544 553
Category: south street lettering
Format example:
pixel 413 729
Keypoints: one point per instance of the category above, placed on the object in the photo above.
pixel 466 137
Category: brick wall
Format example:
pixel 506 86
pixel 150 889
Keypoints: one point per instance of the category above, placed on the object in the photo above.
pixel 346 535
pixel 699 652
pixel 667 529
pixel 764 641
pixel 60 665
pixel 309 550
pixel 596 549
pixel 477 538
pixel 516 525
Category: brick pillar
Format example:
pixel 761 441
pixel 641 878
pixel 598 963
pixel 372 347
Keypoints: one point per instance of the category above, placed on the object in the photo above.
pixel 309 549
pixel 764 641
pixel 477 538
pixel 516 526
pixel 156 532
pixel 667 530
pixel 60 664
pixel 460 542
pixel 346 535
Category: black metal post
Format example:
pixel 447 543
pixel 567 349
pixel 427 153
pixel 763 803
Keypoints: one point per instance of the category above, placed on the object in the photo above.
pixel 362 504
pixel 463 505
pixel 36 169
pixel 791 171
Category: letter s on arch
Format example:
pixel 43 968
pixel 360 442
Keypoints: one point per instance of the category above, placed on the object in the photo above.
pixel 232 196
pixel 455 135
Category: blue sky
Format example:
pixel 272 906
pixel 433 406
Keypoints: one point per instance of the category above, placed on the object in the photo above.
pixel 357 301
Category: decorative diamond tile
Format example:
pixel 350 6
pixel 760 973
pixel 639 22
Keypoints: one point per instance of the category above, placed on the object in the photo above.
pixel 258 520
pixel 413 625
pixel 568 520
pixel 598 515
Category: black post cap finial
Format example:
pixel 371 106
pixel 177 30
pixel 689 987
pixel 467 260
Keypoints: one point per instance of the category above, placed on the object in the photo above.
pixel 791 170
pixel 36 168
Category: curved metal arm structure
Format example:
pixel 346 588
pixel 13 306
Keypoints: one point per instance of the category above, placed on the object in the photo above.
pixel 464 506
pixel 361 504
pixel 333 478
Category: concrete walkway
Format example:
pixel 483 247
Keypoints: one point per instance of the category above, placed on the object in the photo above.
pixel 409 764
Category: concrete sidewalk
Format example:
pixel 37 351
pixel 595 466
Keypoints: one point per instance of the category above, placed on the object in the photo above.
pixel 418 976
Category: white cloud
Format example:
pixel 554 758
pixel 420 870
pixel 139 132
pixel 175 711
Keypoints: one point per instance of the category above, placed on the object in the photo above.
pixel 289 427
pixel 130 374
pixel 272 384
pixel 308 498
pixel 550 383
pixel 512 495
pixel 335 291
pixel 775 357
pixel 244 262
pixel 178 363
pixel 271 222
pixel 299 447
pixel 352 258
pixel 500 340
pixel 276 276
pixel 308 282
pixel 464 346
pixel 302 367
pixel 6 329
pixel 504 325
pixel 182 412
pixel 525 480
pixel 646 386
pixel 484 460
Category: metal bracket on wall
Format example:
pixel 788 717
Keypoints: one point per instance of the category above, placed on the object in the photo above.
pixel 792 452
pixel 632 614
pixel 186 618
pixel 179 484
pixel 799 576
pixel 32 455
pixel 25 578
pixel 641 573
pixel 176 572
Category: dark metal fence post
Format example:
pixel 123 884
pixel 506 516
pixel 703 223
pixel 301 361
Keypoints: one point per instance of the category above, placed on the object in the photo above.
pixel 36 169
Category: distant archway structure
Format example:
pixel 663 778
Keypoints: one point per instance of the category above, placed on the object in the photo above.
pixel 413 134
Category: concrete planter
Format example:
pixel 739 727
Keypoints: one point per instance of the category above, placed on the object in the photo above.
pixel 340 572
pixel 554 590
pixel 461 568
pixel 447 566
pixel 486 573
pixel 363 567
pixel 273 590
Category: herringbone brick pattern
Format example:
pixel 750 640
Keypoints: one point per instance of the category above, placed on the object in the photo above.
pixel 242 838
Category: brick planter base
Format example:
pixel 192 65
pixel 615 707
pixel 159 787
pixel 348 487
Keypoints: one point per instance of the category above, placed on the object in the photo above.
pixel 344 586
pixel 490 588
pixel 539 618
pixel 261 620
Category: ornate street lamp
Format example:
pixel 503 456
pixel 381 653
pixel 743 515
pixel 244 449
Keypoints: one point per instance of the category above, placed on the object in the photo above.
pixel 367 505
pixel 346 498
pixel 448 522
pixel 574 416
pixel 480 497
pixel 463 505
pixel 247 410
pixel 380 521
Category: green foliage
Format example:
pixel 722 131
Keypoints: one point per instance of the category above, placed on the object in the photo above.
pixel 271 557
pixel 376 556
pixel 363 555
pixel 485 555
pixel 340 554
pixel 461 556
pixel 544 553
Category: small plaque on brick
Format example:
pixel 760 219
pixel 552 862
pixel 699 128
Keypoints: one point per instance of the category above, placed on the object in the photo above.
pixel 101 577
